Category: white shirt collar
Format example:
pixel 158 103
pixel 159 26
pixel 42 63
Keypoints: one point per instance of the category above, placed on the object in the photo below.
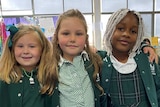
pixel 84 55
pixel 124 68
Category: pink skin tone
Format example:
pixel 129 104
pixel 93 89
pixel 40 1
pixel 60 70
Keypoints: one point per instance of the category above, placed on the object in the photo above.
pixel 124 37
pixel 71 37
pixel 28 51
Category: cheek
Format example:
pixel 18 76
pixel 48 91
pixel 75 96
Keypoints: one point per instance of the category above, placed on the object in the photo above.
pixel 134 40
pixel 17 52
pixel 38 53
pixel 81 42
pixel 62 43
pixel 61 40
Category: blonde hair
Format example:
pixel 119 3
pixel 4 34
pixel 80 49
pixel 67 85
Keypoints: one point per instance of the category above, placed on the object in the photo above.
pixel 9 68
pixel 95 59
pixel 114 19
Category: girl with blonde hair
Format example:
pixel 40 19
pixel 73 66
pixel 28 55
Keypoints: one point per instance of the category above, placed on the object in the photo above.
pixel 24 62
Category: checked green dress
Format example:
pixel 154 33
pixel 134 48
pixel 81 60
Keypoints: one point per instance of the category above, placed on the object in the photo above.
pixel 127 90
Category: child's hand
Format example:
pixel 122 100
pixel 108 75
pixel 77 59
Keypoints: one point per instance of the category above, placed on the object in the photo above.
pixel 152 54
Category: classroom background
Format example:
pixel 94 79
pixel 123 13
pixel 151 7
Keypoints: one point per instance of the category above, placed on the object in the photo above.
pixel 45 14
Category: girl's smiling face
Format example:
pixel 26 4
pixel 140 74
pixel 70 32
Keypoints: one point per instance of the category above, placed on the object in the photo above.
pixel 125 34
pixel 71 37
pixel 28 51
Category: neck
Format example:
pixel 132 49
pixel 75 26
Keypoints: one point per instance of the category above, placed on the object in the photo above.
pixel 121 57
pixel 28 69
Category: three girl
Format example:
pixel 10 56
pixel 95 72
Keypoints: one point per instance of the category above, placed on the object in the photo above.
pixel 71 77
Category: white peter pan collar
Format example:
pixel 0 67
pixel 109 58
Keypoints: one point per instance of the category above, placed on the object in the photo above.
pixel 124 68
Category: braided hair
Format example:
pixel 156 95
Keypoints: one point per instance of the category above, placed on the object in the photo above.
pixel 114 19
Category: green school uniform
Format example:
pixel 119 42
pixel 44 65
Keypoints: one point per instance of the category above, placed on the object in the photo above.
pixel 150 81
pixel 54 100
pixel 22 93
pixel 74 84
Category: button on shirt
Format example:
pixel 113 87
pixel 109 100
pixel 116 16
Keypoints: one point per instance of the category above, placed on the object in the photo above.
pixel 74 84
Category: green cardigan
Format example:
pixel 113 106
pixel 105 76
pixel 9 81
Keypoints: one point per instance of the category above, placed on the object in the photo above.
pixel 151 82
pixel 53 100
pixel 21 94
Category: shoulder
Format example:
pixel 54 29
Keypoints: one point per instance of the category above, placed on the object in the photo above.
pixel 102 53
pixel 2 83
pixel 142 55
pixel 141 58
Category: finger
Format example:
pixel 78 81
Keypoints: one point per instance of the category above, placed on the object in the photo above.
pixel 152 57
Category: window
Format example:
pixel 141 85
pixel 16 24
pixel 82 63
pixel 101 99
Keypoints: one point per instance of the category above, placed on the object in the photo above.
pixel 85 6
pixel 16 7
pixel 113 5
pixel 157 25
pixel 139 6
pixel 48 7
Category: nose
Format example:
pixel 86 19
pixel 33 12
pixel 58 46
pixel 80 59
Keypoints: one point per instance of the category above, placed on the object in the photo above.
pixel 72 38
pixel 25 50
pixel 126 33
